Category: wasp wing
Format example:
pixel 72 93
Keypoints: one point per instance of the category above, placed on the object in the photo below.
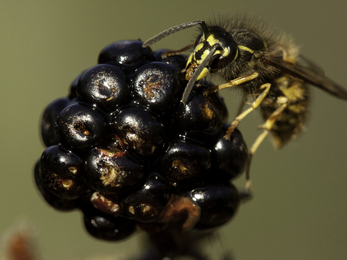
pixel 307 71
pixel 309 64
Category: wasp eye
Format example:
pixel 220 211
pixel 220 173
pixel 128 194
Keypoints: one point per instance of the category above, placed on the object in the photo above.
pixel 216 62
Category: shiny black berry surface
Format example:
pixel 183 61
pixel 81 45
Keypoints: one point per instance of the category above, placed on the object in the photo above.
pixel 127 55
pixel 184 160
pixel 105 86
pixel 81 126
pixel 54 201
pixel 222 199
pixel 202 117
pixel 111 170
pixel 107 227
pixel 48 120
pixel 61 172
pixel 158 86
pixel 230 155
pixel 140 130
pixel 146 203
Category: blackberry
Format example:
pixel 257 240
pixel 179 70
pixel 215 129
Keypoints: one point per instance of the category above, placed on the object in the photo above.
pixel 158 86
pixel 202 117
pixel 61 173
pixel 230 155
pixel 146 203
pixel 185 160
pixel 107 227
pixel 105 86
pixel 128 55
pixel 54 201
pixel 124 150
pixel 139 130
pixel 221 198
pixel 48 120
pixel 111 170
pixel 81 127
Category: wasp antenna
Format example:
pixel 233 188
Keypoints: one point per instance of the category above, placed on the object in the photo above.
pixel 204 27
pixel 196 74
pixel 170 31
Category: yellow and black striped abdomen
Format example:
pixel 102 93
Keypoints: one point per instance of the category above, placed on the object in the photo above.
pixel 290 122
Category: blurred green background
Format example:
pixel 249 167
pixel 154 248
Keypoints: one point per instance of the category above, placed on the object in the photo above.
pixel 299 206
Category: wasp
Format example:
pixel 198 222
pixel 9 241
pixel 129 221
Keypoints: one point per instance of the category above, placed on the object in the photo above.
pixel 264 64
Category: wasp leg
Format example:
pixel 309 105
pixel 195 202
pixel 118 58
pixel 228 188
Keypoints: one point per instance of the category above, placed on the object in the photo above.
pixel 232 83
pixel 267 126
pixel 254 105
pixel 178 52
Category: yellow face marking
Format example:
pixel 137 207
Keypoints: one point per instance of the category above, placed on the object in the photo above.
pixel 212 41
pixel 205 53
pixel 198 47
pixel 203 73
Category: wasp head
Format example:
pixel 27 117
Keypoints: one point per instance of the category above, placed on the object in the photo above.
pixel 214 39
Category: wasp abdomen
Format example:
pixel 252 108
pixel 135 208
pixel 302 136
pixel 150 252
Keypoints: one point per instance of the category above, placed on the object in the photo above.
pixel 290 122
